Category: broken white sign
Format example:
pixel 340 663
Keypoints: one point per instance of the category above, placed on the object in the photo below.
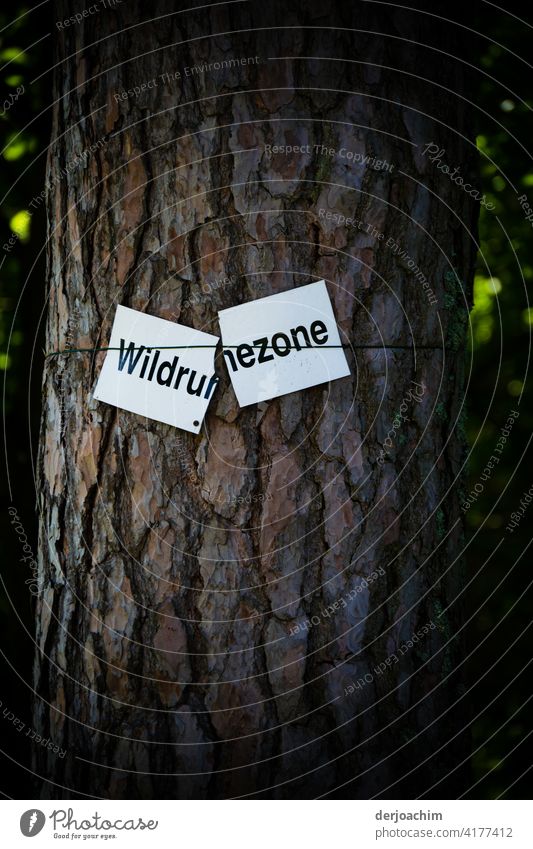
pixel 156 370
pixel 282 343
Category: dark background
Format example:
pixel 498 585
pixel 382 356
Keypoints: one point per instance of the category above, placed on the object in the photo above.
pixel 500 635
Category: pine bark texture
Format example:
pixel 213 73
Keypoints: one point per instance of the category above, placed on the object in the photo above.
pixel 174 567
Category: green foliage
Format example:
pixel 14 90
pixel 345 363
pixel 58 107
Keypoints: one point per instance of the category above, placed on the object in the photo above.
pixel 500 337
pixel 22 137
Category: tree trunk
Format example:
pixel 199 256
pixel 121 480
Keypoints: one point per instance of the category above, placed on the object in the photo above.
pixel 203 626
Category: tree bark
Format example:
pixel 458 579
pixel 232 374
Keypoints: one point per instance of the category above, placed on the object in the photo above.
pixel 177 572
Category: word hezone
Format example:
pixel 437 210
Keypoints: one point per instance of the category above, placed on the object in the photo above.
pixel 247 355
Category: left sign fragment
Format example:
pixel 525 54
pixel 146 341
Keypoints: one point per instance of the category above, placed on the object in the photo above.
pixel 158 369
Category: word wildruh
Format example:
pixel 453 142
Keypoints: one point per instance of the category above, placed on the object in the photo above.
pixel 164 374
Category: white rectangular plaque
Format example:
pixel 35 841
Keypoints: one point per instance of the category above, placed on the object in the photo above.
pixel 282 343
pixel 156 371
